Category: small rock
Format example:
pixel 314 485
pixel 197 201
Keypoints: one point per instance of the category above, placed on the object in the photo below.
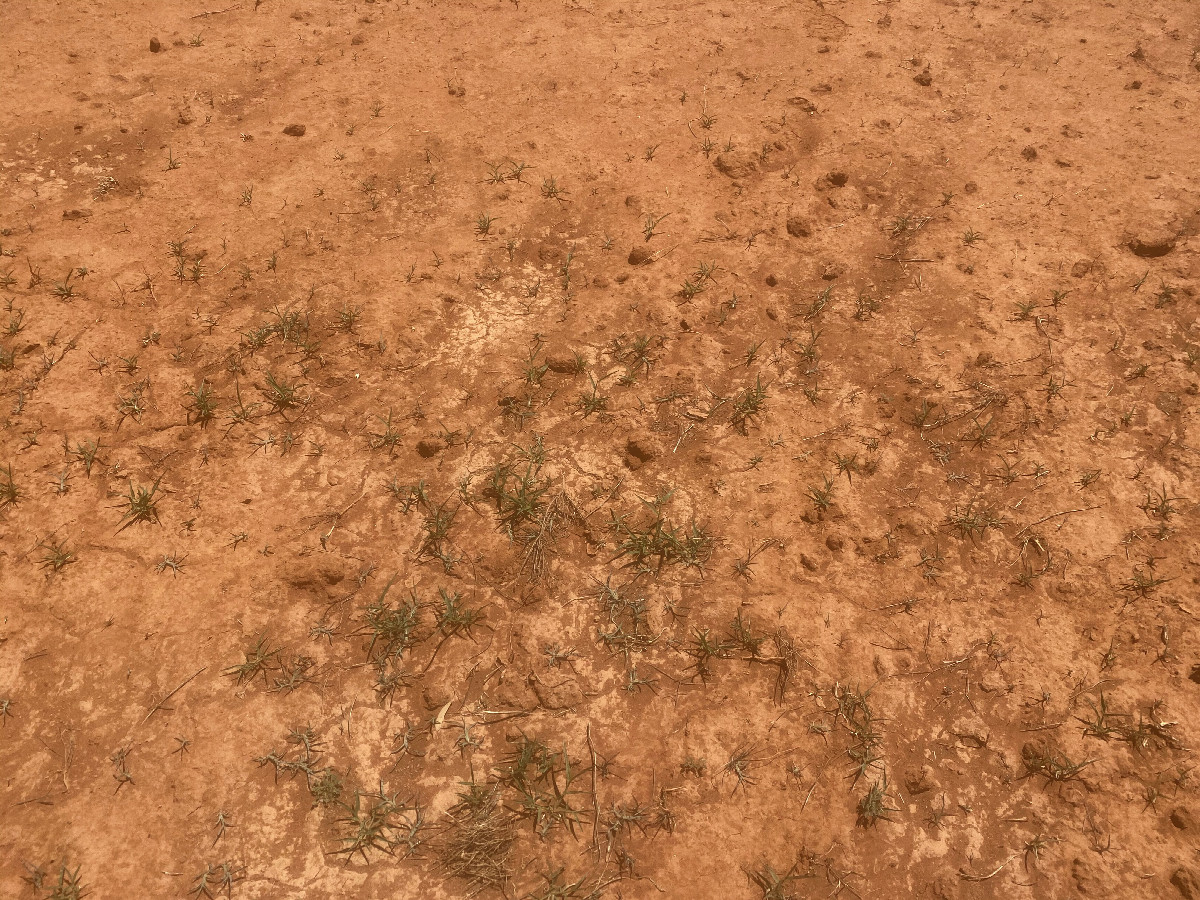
pixel 155 45
pixel 1194 675
pixel 1152 243
pixel 562 695
pixel 1182 819
pixel 771 281
pixel 74 215
pixel 639 256
pixel 834 543
pixel 797 227
pixel 803 103
pixel 1081 268
pixel 435 697
pixel 562 364
pixel 918 781
pixel 1169 402
pixel 357 41
pixel 837 179
pixel 1029 153
pixel 833 271
pixel 970 187
pixel 736 163
pixel 430 447
pixel 1185 882
pixel 295 130
pixel 923 78
pixel 808 562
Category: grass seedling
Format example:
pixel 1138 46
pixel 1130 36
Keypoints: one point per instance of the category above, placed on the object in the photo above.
pixel 388 438
pixel 172 562
pixel 874 805
pixel 454 617
pixel 483 224
pixel 739 767
pixel 281 393
pixel 392 627
pixel 56 555
pixel 1051 764
pixel 747 404
pixel 202 409
pixel 68 885
pixel 258 661
pixel 652 222
pixel 347 318
pixel 773 885
pixel 9 492
pixel 63 290
pixel 655 542
pixel 593 402
pixel 380 825
pixel 141 505
pixel 1159 504
pixel 972 520
pixel 822 497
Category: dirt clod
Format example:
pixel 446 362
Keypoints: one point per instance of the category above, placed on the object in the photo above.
pixel 798 227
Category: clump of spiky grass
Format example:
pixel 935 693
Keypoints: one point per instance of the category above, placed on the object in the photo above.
pixel 9 492
pixel 142 504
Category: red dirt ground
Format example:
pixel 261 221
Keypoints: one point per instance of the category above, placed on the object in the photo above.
pixel 687 449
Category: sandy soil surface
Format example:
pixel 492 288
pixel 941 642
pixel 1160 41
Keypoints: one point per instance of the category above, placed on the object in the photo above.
pixel 596 449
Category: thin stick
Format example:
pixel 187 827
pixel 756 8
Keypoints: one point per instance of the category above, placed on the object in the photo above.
pixel 969 877
pixel 159 704
pixel 1065 512
pixel 595 801
pixel 215 12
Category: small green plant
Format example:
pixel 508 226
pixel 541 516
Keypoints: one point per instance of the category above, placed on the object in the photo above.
pixel 874 804
pixel 141 505
pixel 281 393
pixel 593 402
pixel 56 555
pixel 483 224
pixel 202 408
pixel 550 189
pixel 822 497
pixel 748 403
pixel 259 660
pixel 9 492
pixel 454 617
pixel 67 886
pixel 1051 764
